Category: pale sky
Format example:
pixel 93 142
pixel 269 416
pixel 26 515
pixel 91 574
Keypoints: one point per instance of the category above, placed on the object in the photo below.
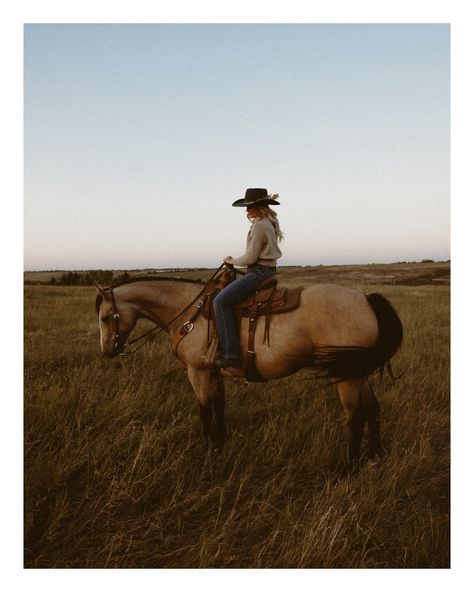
pixel 139 137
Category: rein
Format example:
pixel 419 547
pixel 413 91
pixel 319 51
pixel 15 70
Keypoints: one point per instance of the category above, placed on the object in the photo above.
pixel 149 335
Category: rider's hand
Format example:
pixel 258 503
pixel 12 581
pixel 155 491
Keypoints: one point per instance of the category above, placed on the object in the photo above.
pixel 228 260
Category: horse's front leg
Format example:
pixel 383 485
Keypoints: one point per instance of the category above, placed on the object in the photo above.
pixel 209 390
pixel 218 403
pixel 205 412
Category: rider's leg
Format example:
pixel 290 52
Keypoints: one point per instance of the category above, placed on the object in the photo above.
pixel 231 294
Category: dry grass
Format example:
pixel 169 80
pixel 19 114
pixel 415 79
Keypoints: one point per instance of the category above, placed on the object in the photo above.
pixel 116 474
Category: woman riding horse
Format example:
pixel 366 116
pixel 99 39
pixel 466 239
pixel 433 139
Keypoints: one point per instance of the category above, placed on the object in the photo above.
pixel 339 332
pixel 260 258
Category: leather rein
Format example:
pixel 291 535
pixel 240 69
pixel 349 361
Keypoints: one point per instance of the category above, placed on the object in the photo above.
pixel 149 335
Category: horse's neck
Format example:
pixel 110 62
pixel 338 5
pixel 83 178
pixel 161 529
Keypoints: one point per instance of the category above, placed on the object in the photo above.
pixel 159 301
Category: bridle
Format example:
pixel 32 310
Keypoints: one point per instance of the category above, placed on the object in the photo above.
pixel 116 317
pixel 149 335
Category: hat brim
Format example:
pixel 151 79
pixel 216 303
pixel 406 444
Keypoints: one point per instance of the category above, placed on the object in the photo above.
pixel 241 203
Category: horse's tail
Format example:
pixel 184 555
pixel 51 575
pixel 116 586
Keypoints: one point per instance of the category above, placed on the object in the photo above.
pixel 345 362
pixel 390 329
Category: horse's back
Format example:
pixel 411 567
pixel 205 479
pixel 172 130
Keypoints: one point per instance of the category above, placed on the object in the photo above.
pixel 328 315
pixel 338 315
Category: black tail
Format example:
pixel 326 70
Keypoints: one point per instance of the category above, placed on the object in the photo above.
pixel 356 362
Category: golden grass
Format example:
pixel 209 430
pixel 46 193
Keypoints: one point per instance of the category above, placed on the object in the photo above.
pixel 116 474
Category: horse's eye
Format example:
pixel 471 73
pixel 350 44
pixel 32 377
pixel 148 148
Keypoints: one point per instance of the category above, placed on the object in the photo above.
pixel 105 318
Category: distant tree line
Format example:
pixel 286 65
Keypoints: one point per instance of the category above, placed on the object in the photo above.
pixel 85 278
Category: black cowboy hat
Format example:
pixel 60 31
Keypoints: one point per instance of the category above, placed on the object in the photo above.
pixel 256 197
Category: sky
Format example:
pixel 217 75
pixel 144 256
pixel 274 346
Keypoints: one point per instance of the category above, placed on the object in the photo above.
pixel 138 138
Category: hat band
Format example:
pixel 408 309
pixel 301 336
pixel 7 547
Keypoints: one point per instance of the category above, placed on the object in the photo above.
pixel 266 198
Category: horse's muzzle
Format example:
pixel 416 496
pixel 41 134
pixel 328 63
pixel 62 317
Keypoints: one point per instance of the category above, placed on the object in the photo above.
pixel 114 352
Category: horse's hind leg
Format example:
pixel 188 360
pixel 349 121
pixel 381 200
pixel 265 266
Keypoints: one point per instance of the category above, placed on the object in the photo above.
pixel 350 396
pixel 372 410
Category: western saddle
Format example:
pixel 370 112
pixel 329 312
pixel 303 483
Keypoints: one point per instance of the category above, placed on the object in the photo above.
pixel 268 300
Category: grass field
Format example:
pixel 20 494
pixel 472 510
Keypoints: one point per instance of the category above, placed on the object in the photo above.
pixel 116 474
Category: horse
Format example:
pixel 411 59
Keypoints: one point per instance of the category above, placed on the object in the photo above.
pixel 336 330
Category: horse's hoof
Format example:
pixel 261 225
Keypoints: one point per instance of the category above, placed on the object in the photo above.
pixel 345 470
pixel 375 462
pixel 218 444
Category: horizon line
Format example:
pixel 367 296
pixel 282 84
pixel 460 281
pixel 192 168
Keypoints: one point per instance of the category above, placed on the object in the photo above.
pixel 187 267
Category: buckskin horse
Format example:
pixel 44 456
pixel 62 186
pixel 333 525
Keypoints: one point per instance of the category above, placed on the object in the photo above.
pixel 340 332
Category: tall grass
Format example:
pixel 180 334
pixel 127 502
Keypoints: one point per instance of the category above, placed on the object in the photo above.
pixel 116 474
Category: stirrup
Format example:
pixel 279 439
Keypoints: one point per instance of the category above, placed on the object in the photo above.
pixel 226 363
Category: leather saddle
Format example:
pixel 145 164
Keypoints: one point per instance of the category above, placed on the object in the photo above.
pixel 268 300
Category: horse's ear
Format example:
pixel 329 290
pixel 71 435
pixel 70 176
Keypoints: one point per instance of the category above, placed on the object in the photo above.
pixel 103 291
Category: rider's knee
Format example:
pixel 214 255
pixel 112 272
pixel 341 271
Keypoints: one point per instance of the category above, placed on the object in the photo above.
pixel 219 300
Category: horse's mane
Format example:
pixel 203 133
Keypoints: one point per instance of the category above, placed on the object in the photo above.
pixel 138 279
pixel 134 280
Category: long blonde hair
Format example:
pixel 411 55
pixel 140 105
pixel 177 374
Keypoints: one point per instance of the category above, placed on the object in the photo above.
pixel 267 212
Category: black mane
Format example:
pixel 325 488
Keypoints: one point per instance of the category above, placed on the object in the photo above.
pixel 134 280
pixel 138 279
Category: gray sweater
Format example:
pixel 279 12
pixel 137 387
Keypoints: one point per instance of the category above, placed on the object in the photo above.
pixel 262 247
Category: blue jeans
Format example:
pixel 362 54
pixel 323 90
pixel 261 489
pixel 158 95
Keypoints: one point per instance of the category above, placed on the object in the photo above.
pixel 231 294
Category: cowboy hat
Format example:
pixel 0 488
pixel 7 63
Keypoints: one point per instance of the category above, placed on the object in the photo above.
pixel 256 197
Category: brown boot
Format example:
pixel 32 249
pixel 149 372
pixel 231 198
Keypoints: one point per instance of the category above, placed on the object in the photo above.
pixel 228 363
